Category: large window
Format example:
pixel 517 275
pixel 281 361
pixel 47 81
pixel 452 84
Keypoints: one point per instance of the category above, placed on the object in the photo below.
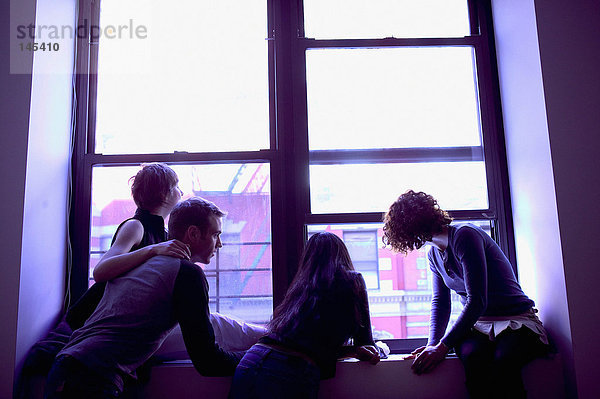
pixel 240 274
pixel 295 117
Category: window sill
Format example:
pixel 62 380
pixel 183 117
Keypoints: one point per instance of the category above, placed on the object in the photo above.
pixel 543 380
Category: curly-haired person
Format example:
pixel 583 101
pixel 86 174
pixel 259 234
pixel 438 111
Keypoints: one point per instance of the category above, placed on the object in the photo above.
pixel 497 331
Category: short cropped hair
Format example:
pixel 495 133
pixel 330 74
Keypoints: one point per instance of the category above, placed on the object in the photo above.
pixel 152 184
pixel 194 211
pixel 413 219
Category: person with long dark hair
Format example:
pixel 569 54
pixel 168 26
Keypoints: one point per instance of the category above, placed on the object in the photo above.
pixel 497 331
pixel 325 306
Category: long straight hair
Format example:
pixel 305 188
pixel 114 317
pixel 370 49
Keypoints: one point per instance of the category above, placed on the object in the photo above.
pixel 325 259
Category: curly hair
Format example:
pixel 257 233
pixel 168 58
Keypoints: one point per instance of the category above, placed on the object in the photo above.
pixel 413 219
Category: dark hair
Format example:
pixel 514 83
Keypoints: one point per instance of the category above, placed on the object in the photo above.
pixel 152 184
pixel 193 211
pixel 325 260
pixel 413 219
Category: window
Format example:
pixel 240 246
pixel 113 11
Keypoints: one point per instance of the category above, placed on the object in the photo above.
pixel 240 274
pixel 295 117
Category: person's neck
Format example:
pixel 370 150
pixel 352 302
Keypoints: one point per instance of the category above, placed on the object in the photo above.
pixel 160 211
pixel 440 240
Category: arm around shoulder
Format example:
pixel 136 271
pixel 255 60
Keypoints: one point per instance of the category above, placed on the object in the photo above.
pixel 118 259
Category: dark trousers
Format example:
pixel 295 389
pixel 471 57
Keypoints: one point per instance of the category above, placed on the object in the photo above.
pixel 70 379
pixel 265 373
pixel 493 368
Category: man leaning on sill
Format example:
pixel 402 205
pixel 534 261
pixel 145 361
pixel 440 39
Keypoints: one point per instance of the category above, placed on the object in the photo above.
pixel 140 308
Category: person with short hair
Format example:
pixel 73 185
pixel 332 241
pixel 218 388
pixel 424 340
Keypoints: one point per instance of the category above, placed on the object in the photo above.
pixel 497 331
pixel 325 305
pixel 155 191
pixel 140 308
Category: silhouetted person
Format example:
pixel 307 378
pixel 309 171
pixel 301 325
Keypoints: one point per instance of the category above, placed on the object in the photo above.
pixel 497 332
pixel 140 308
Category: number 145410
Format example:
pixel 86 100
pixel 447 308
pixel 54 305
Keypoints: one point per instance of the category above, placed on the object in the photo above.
pixel 44 46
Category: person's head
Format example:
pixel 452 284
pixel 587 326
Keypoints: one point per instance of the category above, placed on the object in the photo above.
pixel 413 219
pixel 197 222
pixel 154 186
pixel 324 255
pixel 324 261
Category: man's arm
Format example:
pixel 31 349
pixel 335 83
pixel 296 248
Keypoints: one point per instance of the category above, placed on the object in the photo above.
pixel 190 301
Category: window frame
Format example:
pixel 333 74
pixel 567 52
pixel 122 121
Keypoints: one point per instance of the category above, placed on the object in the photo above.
pixel 289 156
pixel 494 153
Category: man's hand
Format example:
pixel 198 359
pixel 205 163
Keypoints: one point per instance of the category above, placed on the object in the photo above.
pixel 174 248
pixel 427 358
pixel 367 353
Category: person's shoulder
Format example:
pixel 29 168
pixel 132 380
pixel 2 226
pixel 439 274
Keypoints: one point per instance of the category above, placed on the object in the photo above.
pixel 354 275
pixel 467 236
pixel 467 230
pixel 163 262
pixel 352 280
pixel 431 252
pixel 189 268
pixel 130 227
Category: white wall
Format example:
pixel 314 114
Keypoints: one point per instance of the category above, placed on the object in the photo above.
pixel 549 63
pixel 43 254
pixel 14 122
pixel 34 147
pixel 536 222
pixel 569 38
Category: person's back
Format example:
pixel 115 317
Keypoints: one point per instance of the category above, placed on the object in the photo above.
pixel 321 330
pixel 325 305
pixel 140 308
pixel 132 319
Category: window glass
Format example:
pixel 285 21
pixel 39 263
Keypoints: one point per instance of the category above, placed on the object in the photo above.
pixel 362 246
pixel 348 188
pixel 187 83
pixel 349 19
pixel 392 98
pixel 240 276
pixel 400 306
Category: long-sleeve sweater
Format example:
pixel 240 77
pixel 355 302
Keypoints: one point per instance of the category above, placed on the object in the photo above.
pixel 476 269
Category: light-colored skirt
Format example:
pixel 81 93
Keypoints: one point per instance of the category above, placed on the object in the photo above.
pixel 494 325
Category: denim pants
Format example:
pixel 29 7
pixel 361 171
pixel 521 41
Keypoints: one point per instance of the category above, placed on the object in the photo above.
pixel 266 373
pixel 70 379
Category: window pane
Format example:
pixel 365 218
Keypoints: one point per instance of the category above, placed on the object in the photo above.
pixel 197 82
pixel 362 246
pixel 240 274
pixel 392 98
pixel 401 304
pixel 352 188
pixel 349 19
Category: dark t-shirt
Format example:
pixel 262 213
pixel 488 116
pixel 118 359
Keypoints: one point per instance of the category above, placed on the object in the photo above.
pixel 322 332
pixel 137 312
pixel 475 267
pixel 154 233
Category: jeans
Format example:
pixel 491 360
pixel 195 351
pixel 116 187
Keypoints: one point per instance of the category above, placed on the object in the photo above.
pixel 71 379
pixel 493 368
pixel 265 373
